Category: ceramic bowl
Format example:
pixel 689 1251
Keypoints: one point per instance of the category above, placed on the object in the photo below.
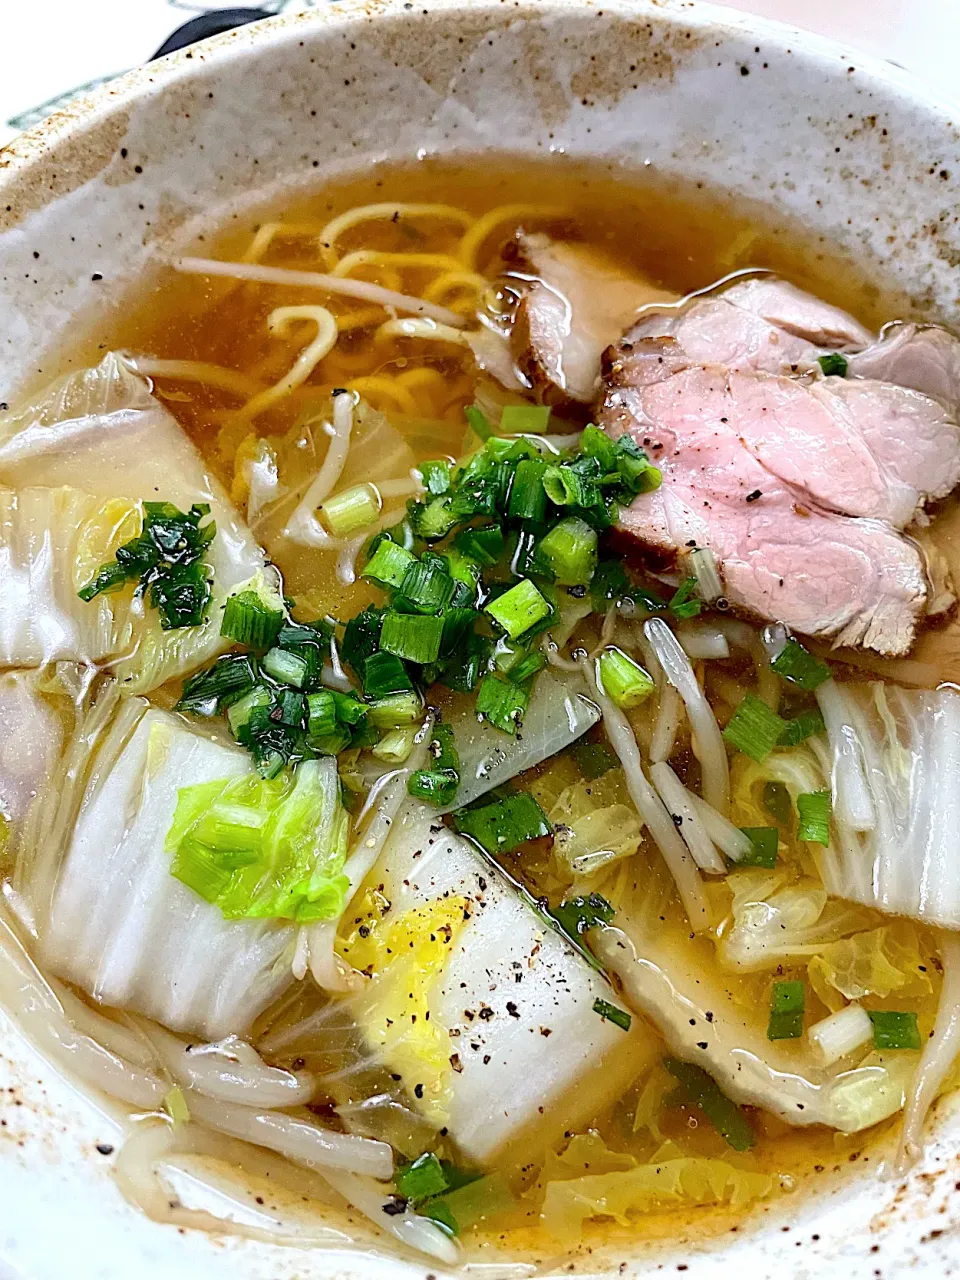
pixel 852 149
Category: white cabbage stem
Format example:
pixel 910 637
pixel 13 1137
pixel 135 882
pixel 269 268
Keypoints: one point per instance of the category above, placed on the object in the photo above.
pixel 702 642
pixel 852 802
pixel 705 732
pixel 679 802
pixel 728 838
pixel 650 807
pixel 839 1034
pixel 938 1056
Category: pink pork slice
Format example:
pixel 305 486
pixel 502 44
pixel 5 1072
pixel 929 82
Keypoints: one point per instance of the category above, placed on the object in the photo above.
pixel 783 556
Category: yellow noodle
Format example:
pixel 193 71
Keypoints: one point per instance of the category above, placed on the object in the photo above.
pixel 380 386
pixel 473 241
pixel 354 320
pixel 279 323
pixel 211 375
pixel 427 329
pixel 380 212
pixel 457 280
pixel 423 377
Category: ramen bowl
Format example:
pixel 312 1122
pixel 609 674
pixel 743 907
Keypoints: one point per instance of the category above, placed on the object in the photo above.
pixel 813 137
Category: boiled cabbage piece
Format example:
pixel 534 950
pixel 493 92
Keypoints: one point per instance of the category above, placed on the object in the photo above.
pixel 117 923
pixel 512 1049
pixel 76 464
pixel 895 766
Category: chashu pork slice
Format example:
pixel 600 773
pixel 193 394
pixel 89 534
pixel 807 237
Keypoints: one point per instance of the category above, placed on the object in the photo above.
pixel 923 357
pixel 573 304
pixel 782 555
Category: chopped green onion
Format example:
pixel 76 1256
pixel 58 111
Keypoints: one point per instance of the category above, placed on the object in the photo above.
pixel 212 691
pixel 427 585
pixel 569 552
pixel 502 826
pixel 798 665
pixel 238 715
pixel 529 666
pixel 388 565
pixel 787 1004
pixel 624 681
pixel 517 418
pixel 351 510
pixel 683 603
pixel 567 487
pixel 576 915
pixel 814 811
pixel 321 713
pixel 433 520
pixel 395 745
pixel 291 705
pixel 893 1029
pixel 474 1201
pixel 435 476
pixel 383 674
pixel 253 617
pixel 776 801
pixel 610 1013
pixel 412 636
pixel 754 729
pixel 485 546
pixel 478 422
pixel 503 704
pixel 765 842
pixel 528 498
pixel 350 710
pixel 361 637
pixel 421 1179
pixel 833 364
pixel 703 1091
pixel 396 710
pixel 436 786
pixel 637 472
pixel 808 724
pixel 286 667
pixel 518 609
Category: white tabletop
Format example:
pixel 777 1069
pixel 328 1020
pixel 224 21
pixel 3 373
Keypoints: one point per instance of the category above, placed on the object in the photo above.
pixel 51 47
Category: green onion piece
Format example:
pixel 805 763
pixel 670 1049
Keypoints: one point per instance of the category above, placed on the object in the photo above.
pixel 567 487
pixel 478 422
pixel 396 710
pixel 894 1029
pixel 833 364
pixel 624 681
pixel 383 674
pixel 286 667
pixel 434 519
pixel 703 1091
pixel 786 1011
pixel 435 476
pixel 361 638
pixel 610 1013
pixel 765 842
pixel 474 1202
pixel 503 704
pixel 291 704
pixel 436 786
pixel 352 510
pixel 212 691
pixel 814 810
pixel 569 552
pixel 427 585
pixel 412 636
pixel 594 759
pixel 388 565
pixel 485 546
pixel 395 745
pixel 350 710
pixel 683 603
pixel 252 619
pixel 528 498
pixel 637 472
pixel 808 724
pixel 518 609
pixel 517 418
pixel 597 444
pixel 239 713
pixel 576 915
pixel 797 665
pixel 776 801
pixel 321 713
pixel 421 1179
pixel 529 666
pixel 443 747
pixel 754 729
pixel 502 826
